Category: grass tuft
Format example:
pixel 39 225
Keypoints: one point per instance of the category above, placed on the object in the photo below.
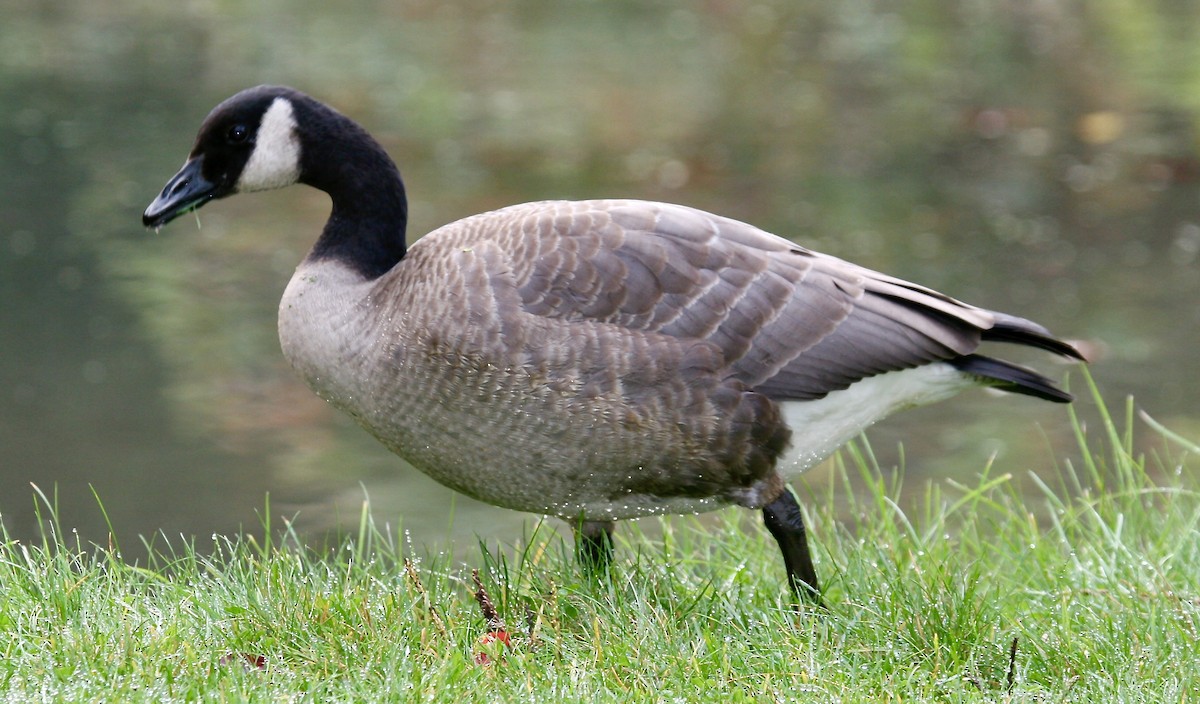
pixel 1088 591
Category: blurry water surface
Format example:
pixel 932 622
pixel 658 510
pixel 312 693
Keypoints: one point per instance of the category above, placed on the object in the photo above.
pixel 1039 158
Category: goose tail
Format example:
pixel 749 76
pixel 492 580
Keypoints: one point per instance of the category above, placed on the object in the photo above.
pixel 1010 328
pixel 1010 377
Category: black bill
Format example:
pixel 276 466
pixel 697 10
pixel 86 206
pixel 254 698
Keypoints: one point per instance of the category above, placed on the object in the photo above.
pixel 186 191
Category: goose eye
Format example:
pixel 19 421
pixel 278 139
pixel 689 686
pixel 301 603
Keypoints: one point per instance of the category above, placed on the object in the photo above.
pixel 237 134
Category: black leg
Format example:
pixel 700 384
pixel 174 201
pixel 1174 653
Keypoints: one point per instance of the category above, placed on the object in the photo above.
pixel 594 545
pixel 784 520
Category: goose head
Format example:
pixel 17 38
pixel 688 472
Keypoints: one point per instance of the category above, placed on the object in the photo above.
pixel 248 143
pixel 272 136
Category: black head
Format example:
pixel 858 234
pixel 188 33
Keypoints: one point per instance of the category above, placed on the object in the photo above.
pixel 271 137
pixel 248 143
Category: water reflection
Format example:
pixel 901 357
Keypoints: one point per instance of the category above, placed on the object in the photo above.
pixel 1033 158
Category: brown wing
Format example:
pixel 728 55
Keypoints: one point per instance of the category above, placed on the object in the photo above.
pixel 790 322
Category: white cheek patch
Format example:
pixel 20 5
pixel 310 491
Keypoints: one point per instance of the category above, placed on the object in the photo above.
pixel 275 161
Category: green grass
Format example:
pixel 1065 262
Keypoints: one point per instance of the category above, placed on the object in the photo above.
pixel 1097 582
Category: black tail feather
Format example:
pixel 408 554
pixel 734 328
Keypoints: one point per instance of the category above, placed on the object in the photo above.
pixel 1010 328
pixel 1011 377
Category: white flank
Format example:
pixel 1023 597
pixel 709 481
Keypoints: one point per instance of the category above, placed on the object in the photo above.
pixel 820 427
pixel 275 161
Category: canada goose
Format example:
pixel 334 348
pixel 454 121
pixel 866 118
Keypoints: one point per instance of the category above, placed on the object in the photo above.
pixel 592 360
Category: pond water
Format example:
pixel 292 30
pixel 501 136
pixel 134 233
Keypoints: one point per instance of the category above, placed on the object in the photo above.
pixel 1037 158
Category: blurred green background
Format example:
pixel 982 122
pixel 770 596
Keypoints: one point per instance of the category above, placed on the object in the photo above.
pixel 1034 156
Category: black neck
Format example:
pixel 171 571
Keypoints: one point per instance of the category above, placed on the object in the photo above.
pixel 370 211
